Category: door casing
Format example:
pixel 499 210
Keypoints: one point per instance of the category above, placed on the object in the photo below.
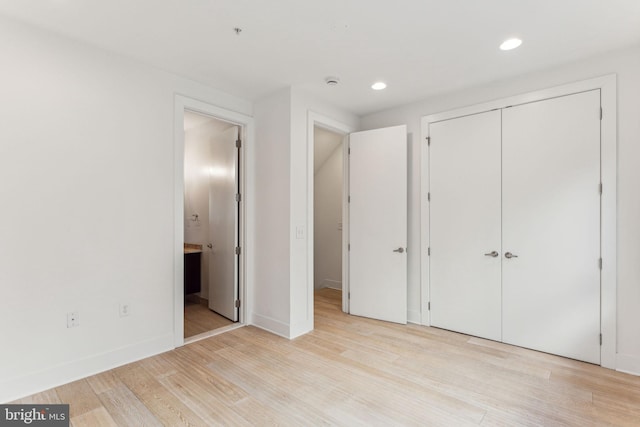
pixel 246 125
pixel 315 119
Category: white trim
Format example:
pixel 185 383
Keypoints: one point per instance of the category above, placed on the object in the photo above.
pixel 345 225
pixel 608 87
pixel 315 119
pixel 332 284
pixel 424 225
pixel 609 214
pixel 245 122
pixel 19 387
pixel 270 324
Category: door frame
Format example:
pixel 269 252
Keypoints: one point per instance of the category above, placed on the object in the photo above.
pixel 315 119
pixel 246 129
pixel 608 161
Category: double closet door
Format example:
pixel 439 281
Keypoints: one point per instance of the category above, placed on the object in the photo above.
pixel 515 225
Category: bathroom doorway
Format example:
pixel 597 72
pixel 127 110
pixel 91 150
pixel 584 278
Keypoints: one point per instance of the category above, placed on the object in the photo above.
pixel 212 200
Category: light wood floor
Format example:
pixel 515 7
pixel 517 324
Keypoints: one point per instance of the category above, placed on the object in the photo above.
pixel 352 371
pixel 198 318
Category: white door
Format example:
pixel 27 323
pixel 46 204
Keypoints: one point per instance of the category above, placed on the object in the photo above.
pixel 551 226
pixel 378 224
pixel 223 226
pixel 465 244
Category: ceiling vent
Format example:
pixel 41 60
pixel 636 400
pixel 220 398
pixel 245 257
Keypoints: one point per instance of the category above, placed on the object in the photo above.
pixel 332 81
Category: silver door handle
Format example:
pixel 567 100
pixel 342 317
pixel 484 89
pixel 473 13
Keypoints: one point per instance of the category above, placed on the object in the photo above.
pixel 493 254
pixel 399 250
pixel 509 255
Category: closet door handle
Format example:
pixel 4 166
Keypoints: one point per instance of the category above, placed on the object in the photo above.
pixel 492 254
pixel 509 255
pixel 399 250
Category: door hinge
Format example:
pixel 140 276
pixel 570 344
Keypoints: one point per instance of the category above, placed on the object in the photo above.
pixel 600 263
pixel 348 199
pixel 429 306
pixel 349 150
pixel 238 143
pixel 600 339
pixel 237 303
pixel 238 197
pixel 429 251
pixel 348 295
pixel 348 246
pixel 238 250
pixel 428 197
pixel 600 113
pixel 600 188
pixel 428 140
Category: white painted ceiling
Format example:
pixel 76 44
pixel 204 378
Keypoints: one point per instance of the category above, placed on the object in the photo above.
pixel 419 47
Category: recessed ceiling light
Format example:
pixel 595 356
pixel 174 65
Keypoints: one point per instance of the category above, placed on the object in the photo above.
pixel 378 86
pixel 510 44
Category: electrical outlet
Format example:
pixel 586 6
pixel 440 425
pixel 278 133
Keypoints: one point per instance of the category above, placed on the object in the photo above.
pixel 73 319
pixel 125 310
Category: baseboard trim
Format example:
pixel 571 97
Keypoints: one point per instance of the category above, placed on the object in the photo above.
pixel 628 364
pixel 332 284
pixel 270 325
pixel 26 385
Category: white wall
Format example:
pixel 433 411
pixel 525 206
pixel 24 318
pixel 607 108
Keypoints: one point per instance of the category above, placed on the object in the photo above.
pixel 282 298
pixel 327 243
pixel 626 64
pixel 87 189
pixel 271 213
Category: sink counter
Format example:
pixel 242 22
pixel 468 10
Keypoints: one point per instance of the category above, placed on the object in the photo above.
pixel 191 248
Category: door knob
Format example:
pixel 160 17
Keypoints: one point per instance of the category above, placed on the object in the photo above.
pixel 509 255
pixel 399 250
pixel 492 254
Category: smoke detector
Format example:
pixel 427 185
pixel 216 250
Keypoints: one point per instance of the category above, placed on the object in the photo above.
pixel 332 81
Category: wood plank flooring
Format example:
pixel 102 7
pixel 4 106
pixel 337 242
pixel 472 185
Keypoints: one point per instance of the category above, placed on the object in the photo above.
pixel 198 318
pixel 354 372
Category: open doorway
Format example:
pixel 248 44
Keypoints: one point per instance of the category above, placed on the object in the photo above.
pixel 211 224
pixel 328 210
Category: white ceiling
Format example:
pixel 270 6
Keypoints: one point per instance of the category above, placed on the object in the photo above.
pixel 419 47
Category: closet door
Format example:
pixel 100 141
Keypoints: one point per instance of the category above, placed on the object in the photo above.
pixel 551 226
pixel 464 164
